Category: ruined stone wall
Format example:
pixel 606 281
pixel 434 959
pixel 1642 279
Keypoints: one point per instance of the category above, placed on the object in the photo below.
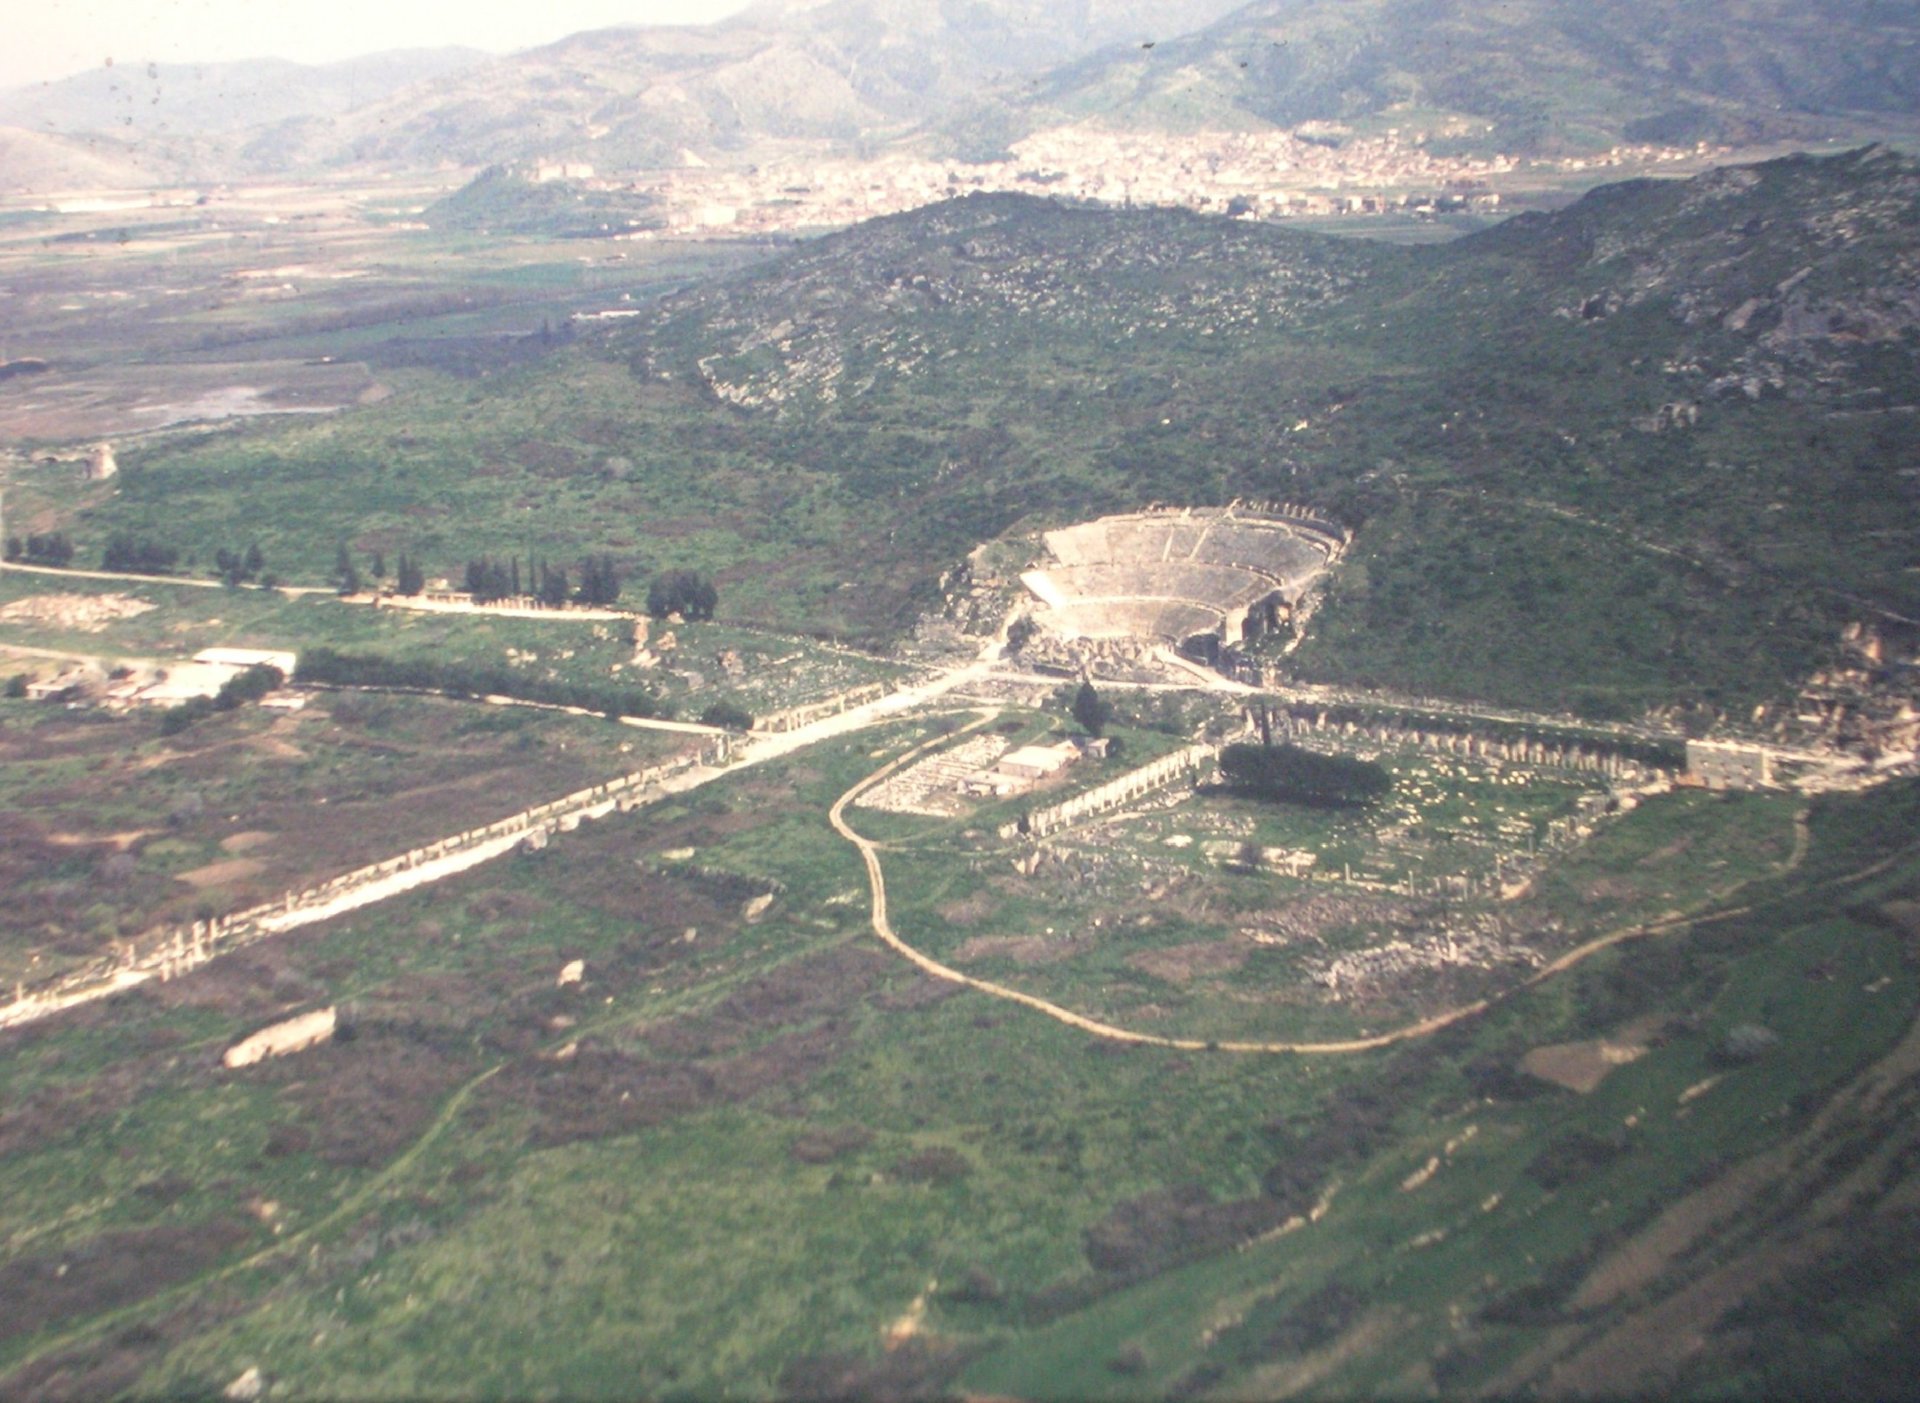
pixel 1313 724
pixel 170 952
pixel 294 1035
pixel 794 718
pixel 1183 767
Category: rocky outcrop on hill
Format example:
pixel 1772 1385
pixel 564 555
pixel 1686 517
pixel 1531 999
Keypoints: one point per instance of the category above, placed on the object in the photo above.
pixel 985 274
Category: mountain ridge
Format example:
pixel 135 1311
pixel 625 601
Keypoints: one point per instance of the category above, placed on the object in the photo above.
pixel 189 100
pixel 1535 75
pixel 965 82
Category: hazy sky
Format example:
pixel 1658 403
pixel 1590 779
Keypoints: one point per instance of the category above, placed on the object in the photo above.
pixel 54 38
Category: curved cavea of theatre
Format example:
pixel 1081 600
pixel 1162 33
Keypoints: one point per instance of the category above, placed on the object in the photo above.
pixel 1199 579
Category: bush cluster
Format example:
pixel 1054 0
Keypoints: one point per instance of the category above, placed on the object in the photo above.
pixel 326 665
pixel 1288 774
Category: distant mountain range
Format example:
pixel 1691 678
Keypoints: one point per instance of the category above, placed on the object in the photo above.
pixel 845 72
pixel 35 163
pixel 1517 76
pixel 964 80
pixel 193 100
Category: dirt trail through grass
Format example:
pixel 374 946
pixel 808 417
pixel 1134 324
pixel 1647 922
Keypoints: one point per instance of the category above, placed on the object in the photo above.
pixel 1426 1027
pixel 354 1203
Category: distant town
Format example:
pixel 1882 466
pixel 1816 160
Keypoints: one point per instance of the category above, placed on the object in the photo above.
pixel 1319 169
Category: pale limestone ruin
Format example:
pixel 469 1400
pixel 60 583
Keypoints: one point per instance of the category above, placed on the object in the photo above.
pixel 294 1035
pixel 1200 579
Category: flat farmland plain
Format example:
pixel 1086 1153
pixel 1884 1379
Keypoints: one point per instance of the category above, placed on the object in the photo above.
pixel 113 828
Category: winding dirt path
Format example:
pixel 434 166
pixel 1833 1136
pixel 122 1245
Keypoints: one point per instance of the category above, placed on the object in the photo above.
pixel 876 880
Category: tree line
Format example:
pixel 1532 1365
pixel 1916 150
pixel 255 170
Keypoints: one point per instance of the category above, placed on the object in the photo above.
pixel 488 581
pixel 331 667
pixel 41 548
pixel 597 581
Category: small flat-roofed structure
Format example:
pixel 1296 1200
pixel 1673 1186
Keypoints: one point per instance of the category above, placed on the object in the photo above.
pixel 62 687
pixel 185 681
pixel 1038 761
pixel 244 658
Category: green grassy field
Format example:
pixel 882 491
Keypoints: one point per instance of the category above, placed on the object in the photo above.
pixel 709 662
pixel 114 828
pixel 757 1154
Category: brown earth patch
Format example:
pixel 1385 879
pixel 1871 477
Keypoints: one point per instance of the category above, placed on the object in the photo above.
pixel 792 1057
pixel 1181 964
pixel 277 748
pixel 253 985
pixel 112 1270
pixel 245 842
pixel 51 1114
pixel 1582 1066
pixel 800 991
pixel 366 1098
pixel 968 910
pixel 107 1369
pixel 919 991
pixel 601 1092
pixel 1021 949
pixel 1298 1374
pixel 666 902
pixel 720 1057
pixel 1162 1229
pixel 825 1145
pixel 1905 916
pixel 915 1367
pixel 221 874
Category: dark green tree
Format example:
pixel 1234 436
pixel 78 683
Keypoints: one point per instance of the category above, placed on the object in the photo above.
pixel 728 715
pixel 48 548
pixel 409 579
pixel 599 581
pixel 682 592
pixel 1289 774
pixel 1091 710
pixel 133 554
pixel 248 686
pixel 346 575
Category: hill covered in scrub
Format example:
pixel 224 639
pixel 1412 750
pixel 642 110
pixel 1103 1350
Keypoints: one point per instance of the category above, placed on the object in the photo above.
pixel 1655 448
pixel 1658 442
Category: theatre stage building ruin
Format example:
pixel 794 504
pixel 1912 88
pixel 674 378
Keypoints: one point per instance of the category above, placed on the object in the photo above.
pixel 1204 581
